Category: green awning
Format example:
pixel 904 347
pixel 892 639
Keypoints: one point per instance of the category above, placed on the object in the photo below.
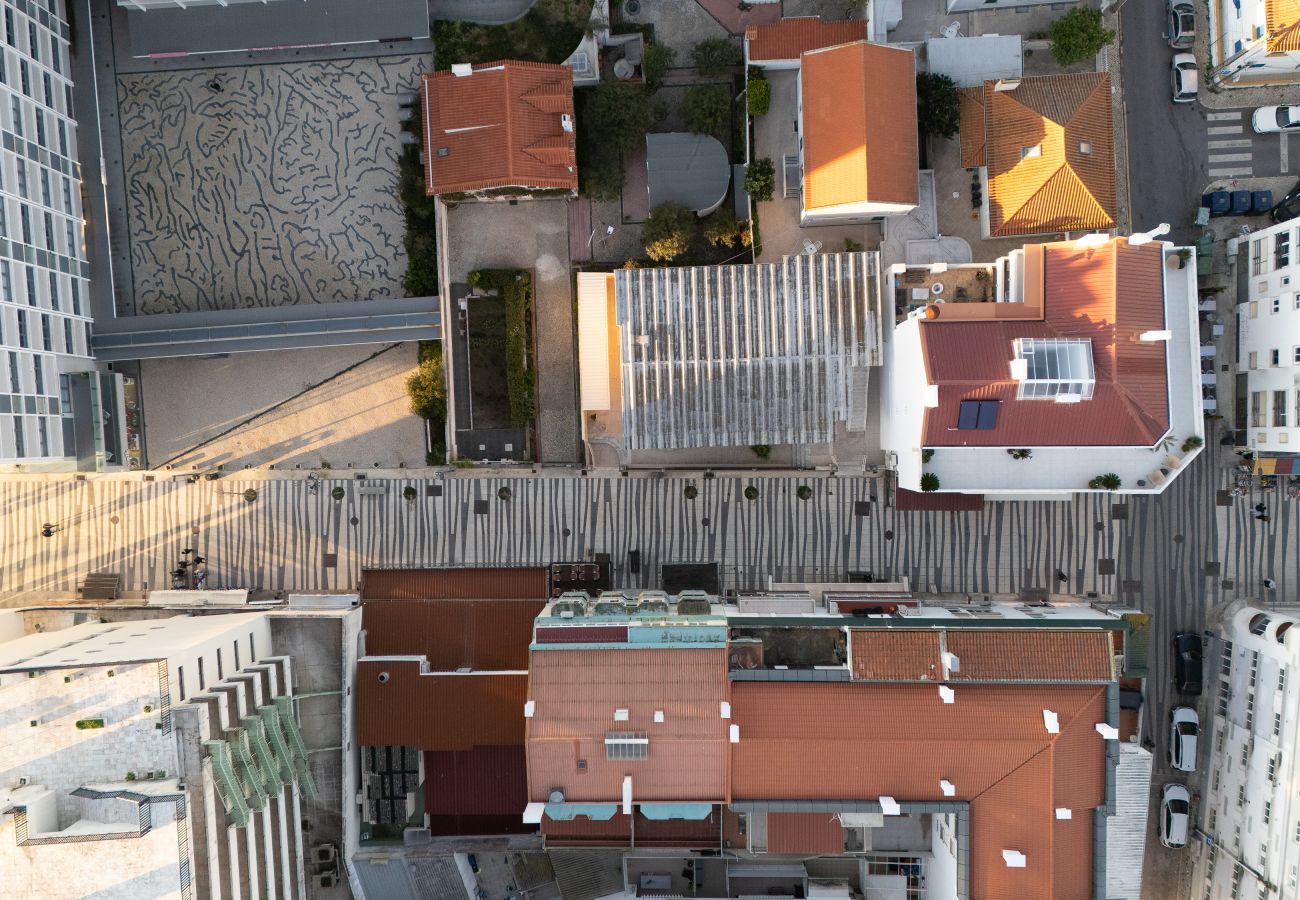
pixel 692 811
pixel 567 812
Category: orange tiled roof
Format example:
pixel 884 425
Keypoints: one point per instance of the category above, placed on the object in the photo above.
pixel 789 38
pixel 1109 295
pixel 857 741
pixel 1282 18
pixel 971 107
pixel 499 127
pixel 984 654
pixel 859 123
pixel 1050 150
pixel 576 693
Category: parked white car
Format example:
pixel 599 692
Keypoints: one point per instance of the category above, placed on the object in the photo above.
pixel 1175 815
pixel 1184 729
pixel 1184 76
pixel 1272 119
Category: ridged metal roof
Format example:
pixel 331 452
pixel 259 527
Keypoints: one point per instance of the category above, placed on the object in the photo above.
pixel 740 355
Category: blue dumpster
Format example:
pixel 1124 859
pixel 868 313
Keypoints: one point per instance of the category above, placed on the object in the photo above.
pixel 1241 203
pixel 1262 202
pixel 1219 202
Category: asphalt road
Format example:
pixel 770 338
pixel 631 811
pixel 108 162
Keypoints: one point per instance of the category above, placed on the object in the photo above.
pixel 1176 149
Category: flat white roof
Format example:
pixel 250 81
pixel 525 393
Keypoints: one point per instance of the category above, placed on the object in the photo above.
pixel 118 642
pixel 970 61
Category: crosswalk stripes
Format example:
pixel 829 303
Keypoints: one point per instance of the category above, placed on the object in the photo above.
pixel 1229 156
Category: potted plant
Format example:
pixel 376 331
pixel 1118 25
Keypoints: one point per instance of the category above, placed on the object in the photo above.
pixel 803 492
pixel 927 455
pixel 751 492
pixel 503 493
pixel 929 482
pixel 1109 482
pixel 1020 453
pixel 690 492
pixel 1192 443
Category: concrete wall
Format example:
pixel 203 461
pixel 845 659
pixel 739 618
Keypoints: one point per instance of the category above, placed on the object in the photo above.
pixel 941 867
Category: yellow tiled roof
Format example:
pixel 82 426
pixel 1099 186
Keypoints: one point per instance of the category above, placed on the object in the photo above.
pixel 1050 152
pixel 1283 20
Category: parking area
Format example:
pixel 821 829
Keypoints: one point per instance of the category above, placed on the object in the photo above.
pixel 339 407
pixel 264 185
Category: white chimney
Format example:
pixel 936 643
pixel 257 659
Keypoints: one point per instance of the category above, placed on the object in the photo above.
pixel 1146 237
pixel 1063 812
pixel 949 789
pixel 1109 732
pixel 566 123
pixel 462 70
pixel 1156 336
pixel 724 709
pixel 889 806
pixel 1051 722
pixel 1068 398
pixel 627 795
pixel 1092 239
pixel 1014 859
pixel 1019 369
pixel 533 813
pixel 735 734
pixel 1006 84
pixel 931 396
pixel 529 708
pixel 947 694
pixel 951 661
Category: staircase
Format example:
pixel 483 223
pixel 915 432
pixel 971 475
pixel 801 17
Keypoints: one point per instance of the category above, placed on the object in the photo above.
pixel 101 586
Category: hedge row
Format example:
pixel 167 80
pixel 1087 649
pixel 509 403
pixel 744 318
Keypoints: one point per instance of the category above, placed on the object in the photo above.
pixel 516 289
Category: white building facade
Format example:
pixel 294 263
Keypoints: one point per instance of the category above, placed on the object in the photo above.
pixel 56 411
pixel 1254 42
pixel 1268 329
pixel 158 757
pixel 1250 814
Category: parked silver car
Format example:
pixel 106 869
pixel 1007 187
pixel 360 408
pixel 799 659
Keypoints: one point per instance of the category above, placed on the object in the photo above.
pixel 1184 729
pixel 1175 815
pixel 1182 25
pixel 1184 76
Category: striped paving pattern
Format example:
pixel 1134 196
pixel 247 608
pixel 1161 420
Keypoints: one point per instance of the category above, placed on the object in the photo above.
pixel 1230 153
pixel 280 541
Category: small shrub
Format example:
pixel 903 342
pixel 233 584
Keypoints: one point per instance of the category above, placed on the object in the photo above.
pixel 929 482
pixel 723 229
pixel 751 492
pixel 148 708
pixel 668 231
pixel 759 98
pixel 338 493
pixel 690 492
pixel 1108 482
pixel 926 455
pixel 130 776
pixel 437 456
pixel 1078 35
pixel 803 492
pixel 762 451
pixel 83 724
pixel 250 495
pixel 427 389
pixel 463 463
pixel 714 56
pixel 657 60
pixel 1020 453
pixel 760 179
pixel 705 107
pixel 852 246
pixel 620 114
pixel 409 492
pixel 504 493
pixel 1192 443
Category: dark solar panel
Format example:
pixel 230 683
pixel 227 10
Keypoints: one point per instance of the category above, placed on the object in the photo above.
pixel 988 415
pixel 969 416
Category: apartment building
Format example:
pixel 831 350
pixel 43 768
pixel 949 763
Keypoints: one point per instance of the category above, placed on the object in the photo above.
pixel 1268 361
pixel 1062 367
pixel 1254 42
pixel 816 741
pixel 156 754
pixel 1249 813
pixel 57 412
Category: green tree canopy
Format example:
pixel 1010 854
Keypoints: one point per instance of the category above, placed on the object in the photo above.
pixel 668 231
pixel 937 104
pixel 1078 35
pixel 620 114
pixel 705 108
pixel 426 388
pixel 715 55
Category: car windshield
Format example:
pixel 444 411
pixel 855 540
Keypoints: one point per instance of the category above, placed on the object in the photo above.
pixel 1178 807
pixel 1186 728
pixel 1186 23
pixel 1286 116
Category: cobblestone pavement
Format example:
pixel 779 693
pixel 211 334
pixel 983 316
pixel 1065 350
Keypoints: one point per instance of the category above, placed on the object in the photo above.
pixel 264 185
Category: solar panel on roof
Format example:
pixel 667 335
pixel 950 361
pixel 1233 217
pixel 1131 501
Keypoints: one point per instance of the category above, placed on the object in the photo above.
pixel 988 415
pixel 968 418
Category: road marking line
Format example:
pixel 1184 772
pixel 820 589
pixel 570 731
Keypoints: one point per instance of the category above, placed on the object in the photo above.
pixel 1227 145
pixel 1230 157
pixel 1226 173
pixel 1282 142
pixel 1224 129
pixel 1223 116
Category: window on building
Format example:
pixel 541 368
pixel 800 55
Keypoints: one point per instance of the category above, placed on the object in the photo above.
pixel 25 76
pixel 1275 357
pixel 25 216
pixel 43 435
pixel 56 55
pixel 252 648
pixel 33 45
pixel 1275 305
pixel 40 130
pixel 1252 360
pixel 1256 407
pixel 20 440
pixel 15 381
pixel 47 339
pixel 237 666
pixel 1241 795
pixel 977 415
pixel 63 138
pixel 180 680
pixel 1281 679
pixel 49 230
pixel 38 369
pixel 29 279
pixel 48 85
pixel 6 282
pixel 1277 724
pixel 1272 769
pixel 1054 367
pixel 1282 249
pixel 1295 355
pixel 76 297
pixel 1268 811
pixel 1279 408
pixel 68 346
pixel 202 685
pixel 11 37
pixel 67 204
pixel 1257 256
pixel 627 745
pixel 22 329
pixel 54 291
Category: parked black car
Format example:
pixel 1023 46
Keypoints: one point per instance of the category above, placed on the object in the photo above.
pixel 1187 663
pixel 1288 207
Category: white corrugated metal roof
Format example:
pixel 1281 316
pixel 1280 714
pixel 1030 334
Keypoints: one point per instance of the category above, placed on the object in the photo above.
pixel 970 61
pixel 593 339
pixel 1126 831
pixel 742 355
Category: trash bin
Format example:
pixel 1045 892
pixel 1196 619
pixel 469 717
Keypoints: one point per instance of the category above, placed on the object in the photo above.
pixel 1261 202
pixel 1219 202
pixel 1241 203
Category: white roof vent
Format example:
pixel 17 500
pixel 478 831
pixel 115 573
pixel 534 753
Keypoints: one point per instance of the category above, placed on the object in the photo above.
pixel 555 796
pixel 734 734
pixel 724 709
pixel 1051 722
pixel 620 715
pixel 533 813
pixel 1014 859
pixel 947 694
pixel 529 708
pixel 952 661
pixel 889 806
pixel 1063 812
pixel 566 122
pixel 1109 732
pixel 462 70
pixel 1085 147
pixel 949 789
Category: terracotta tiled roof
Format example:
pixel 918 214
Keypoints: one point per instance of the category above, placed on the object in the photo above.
pixel 477 634
pixel 943 501
pixel 789 38
pixel 889 655
pixel 576 692
pixel 971 107
pixel 1109 295
pixel 1282 19
pixel 617 831
pixel 859 123
pixel 455 584
pixel 808 834
pixel 437 711
pixel 1050 152
pixel 857 741
pixel 1034 655
pixel 499 127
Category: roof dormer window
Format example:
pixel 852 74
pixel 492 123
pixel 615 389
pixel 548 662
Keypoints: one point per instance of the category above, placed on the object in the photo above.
pixel 1031 152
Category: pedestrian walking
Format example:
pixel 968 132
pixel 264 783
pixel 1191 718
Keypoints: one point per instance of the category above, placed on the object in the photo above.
pixel 1269 584
pixel 1061 576
pixel 1261 507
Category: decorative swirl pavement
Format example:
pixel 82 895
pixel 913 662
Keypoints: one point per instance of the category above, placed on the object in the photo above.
pixel 277 189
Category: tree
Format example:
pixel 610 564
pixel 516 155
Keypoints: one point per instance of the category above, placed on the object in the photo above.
pixel 929 482
pixel 937 104
pixel 668 231
pixel 426 388
pixel 1078 35
pixel 601 176
pixel 723 229
pixel 705 108
pixel 714 56
pixel 759 96
pixel 760 179
pixel 657 60
pixel 620 114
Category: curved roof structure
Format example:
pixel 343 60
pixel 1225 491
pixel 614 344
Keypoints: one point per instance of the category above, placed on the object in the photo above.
pixel 691 170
